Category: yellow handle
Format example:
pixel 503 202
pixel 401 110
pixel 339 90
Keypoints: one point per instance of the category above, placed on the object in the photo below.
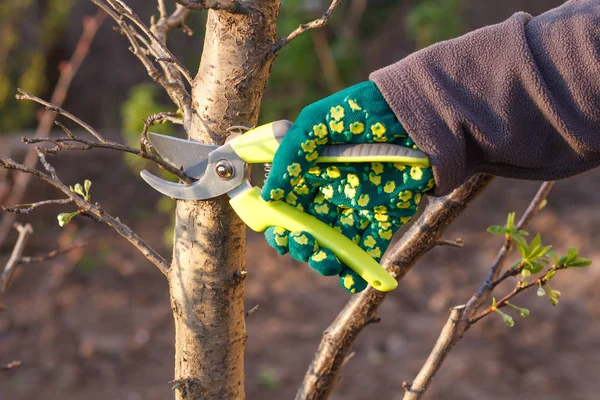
pixel 259 145
pixel 259 215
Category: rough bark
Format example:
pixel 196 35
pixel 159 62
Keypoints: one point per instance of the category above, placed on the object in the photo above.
pixel 207 274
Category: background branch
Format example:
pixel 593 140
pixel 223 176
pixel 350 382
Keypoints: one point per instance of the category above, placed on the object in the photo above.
pixel 27 208
pixel 317 23
pixel 152 49
pixel 52 254
pixel 67 73
pixel 67 143
pixel 25 232
pixel 88 209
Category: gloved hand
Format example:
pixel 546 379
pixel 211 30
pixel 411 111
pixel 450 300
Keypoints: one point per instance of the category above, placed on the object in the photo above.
pixel 367 202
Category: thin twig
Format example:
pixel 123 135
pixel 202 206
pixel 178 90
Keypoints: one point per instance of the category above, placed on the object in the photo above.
pixel 451 243
pixel 252 311
pixel 171 78
pixel 232 6
pixel 317 23
pixel 50 106
pixel 158 47
pixel 88 209
pixel 10 365
pixel 437 356
pixel 162 9
pixel 52 254
pixel 458 324
pixel 348 358
pixel 25 232
pixel 66 143
pixel 520 287
pixel 67 73
pixel 475 303
pixel 28 208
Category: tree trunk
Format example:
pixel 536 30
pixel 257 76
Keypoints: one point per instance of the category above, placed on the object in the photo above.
pixel 207 275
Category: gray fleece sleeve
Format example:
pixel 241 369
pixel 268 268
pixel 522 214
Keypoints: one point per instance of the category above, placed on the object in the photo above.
pixel 519 99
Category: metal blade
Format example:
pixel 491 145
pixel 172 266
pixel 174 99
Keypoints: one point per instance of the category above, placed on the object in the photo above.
pixel 210 184
pixel 191 156
pixel 195 191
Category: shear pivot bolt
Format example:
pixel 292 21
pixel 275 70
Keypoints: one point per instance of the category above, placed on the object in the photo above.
pixel 224 169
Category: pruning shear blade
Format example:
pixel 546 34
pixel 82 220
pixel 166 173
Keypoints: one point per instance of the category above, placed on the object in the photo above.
pixel 198 160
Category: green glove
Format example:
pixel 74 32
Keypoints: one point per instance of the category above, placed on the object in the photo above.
pixel 367 202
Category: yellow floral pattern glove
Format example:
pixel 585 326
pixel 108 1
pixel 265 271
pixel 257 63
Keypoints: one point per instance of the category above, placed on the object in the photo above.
pixel 367 202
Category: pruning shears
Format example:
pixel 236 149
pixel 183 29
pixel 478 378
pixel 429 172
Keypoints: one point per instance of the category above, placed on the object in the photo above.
pixel 225 170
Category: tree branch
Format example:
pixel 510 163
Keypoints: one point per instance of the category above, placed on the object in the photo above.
pixel 27 208
pixel 433 363
pixel 88 209
pixel 25 232
pixel 232 6
pixel 325 368
pixel 23 95
pixel 458 243
pixel 66 143
pixel 52 254
pixel 462 317
pixel 317 23
pixel 172 70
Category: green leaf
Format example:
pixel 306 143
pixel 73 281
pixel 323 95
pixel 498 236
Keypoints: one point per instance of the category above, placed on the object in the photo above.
pixel 561 261
pixel 496 230
pixel 552 254
pixel 522 232
pixel 510 221
pixel 536 268
pixel 523 251
pixel 525 273
pixel 540 252
pixel 535 245
pixel 543 204
pixel 572 254
pixel 549 274
pixel 521 244
pixel 580 262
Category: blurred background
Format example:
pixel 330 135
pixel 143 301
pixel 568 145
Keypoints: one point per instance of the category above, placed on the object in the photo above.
pixel 97 324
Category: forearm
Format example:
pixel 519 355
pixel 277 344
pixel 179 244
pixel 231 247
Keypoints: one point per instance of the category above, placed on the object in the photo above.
pixel 519 99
